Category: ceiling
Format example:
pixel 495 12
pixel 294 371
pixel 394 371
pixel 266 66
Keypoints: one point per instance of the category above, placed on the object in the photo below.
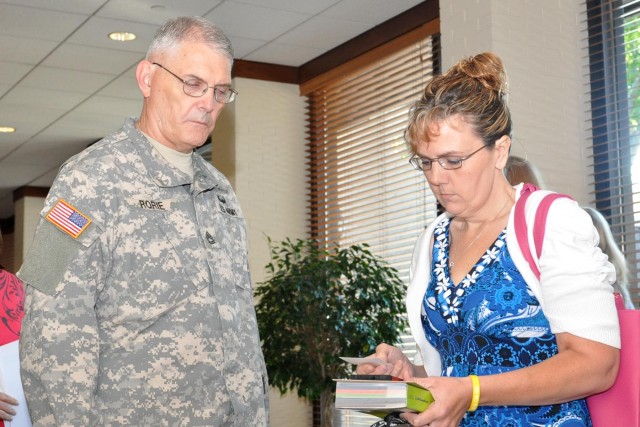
pixel 64 84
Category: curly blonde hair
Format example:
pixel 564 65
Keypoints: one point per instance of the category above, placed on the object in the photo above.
pixel 475 90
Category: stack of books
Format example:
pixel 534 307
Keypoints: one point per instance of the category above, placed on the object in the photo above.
pixel 380 397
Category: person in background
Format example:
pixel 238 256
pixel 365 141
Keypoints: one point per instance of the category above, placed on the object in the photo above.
pixel 12 401
pixel 520 170
pixel 139 305
pixel 609 246
pixel 496 346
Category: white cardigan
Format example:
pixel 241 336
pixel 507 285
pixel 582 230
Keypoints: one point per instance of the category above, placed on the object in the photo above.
pixel 575 288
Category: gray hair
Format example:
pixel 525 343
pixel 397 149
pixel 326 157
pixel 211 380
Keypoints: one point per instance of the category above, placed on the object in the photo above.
pixel 192 29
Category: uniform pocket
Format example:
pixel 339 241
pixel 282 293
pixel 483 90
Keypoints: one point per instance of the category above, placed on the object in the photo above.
pixel 152 277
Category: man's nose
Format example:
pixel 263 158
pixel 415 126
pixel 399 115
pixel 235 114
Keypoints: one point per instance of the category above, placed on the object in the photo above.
pixel 208 101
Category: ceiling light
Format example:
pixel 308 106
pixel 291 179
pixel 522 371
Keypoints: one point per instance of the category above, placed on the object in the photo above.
pixel 122 36
pixel 7 129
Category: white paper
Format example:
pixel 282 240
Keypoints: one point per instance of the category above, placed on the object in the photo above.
pixel 10 383
pixel 360 360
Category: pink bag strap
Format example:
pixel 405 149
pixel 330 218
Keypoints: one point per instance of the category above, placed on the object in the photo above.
pixel 539 224
pixel 619 301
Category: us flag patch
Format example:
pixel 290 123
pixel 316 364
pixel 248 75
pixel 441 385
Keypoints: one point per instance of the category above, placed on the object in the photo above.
pixel 68 219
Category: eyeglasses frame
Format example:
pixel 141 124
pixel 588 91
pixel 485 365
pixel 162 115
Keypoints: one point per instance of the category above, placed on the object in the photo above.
pixel 184 85
pixel 419 167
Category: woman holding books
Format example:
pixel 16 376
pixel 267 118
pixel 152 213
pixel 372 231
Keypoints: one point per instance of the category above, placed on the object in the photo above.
pixel 497 346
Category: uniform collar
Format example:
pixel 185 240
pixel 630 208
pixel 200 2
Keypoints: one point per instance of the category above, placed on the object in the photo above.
pixel 161 171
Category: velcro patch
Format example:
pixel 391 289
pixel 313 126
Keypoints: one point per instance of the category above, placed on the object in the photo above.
pixel 68 219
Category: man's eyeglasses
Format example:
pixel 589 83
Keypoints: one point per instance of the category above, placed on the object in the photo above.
pixel 196 88
pixel 447 162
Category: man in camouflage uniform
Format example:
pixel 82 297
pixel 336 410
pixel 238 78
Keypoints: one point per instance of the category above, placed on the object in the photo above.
pixel 139 304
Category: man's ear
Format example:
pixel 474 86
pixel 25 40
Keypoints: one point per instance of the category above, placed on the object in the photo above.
pixel 502 147
pixel 143 76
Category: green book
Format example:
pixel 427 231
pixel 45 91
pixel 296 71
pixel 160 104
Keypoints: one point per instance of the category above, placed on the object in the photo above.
pixel 379 397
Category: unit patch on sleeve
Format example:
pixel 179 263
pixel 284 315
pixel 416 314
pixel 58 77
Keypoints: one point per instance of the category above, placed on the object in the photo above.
pixel 68 219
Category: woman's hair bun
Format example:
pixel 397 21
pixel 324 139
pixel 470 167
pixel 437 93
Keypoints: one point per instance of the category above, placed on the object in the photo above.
pixel 487 69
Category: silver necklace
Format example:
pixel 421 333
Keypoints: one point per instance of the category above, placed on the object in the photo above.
pixel 451 262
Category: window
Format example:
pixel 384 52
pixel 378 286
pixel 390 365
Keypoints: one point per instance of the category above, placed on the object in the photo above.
pixel 363 189
pixel 614 61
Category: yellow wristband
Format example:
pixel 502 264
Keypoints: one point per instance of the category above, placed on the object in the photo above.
pixel 475 394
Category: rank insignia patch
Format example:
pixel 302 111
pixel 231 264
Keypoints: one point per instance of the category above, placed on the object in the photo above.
pixel 68 219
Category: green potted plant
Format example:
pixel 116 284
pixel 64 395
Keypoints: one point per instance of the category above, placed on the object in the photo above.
pixel 319 305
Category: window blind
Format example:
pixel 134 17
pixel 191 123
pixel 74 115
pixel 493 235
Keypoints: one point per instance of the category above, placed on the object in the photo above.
pixel 362 188
pixel 613 50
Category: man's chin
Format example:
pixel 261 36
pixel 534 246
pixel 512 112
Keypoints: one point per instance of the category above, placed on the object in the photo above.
pixel 197 139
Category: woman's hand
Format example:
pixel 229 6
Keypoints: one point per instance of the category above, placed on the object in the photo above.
pixel 6 407
pixel 452 397
pixel 581 368
pixel 397 364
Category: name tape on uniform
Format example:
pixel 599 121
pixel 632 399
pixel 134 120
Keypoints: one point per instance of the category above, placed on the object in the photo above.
pixel 151 205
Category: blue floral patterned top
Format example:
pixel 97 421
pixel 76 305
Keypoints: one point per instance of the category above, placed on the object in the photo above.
pixel 490 323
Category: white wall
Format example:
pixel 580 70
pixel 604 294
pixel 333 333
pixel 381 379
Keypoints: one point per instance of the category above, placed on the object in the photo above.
pixel 540 43
pixel 270 175
pixel 259 144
